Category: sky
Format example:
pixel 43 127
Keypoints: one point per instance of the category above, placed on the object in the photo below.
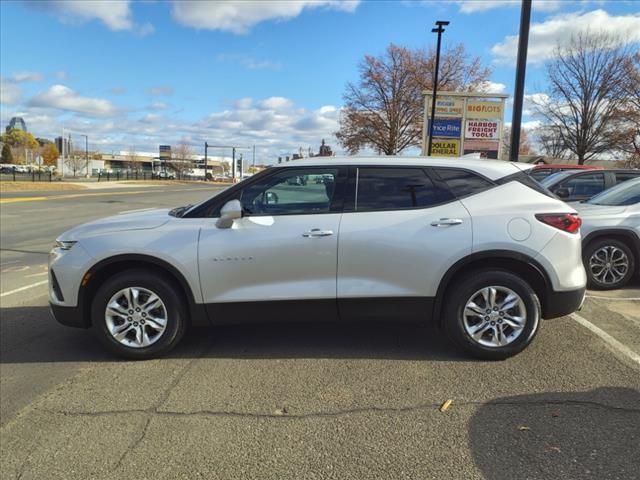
pixel 134 75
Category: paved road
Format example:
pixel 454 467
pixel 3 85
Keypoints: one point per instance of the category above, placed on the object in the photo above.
pixel 303 401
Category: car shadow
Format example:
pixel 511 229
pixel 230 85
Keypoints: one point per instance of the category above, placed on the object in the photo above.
pixel 30 334
pixel 585 435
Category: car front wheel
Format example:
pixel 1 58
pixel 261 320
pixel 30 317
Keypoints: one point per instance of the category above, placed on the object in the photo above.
pixel 138 315
pixel 492 315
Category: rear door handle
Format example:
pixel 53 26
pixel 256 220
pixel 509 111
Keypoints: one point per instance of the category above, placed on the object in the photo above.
pixel 445 222
pixel 316 232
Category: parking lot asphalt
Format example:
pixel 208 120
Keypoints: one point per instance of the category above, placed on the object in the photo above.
pixel 302 401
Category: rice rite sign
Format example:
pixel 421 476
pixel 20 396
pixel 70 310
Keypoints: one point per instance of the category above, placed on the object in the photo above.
pixel 482 129
pixel 447 127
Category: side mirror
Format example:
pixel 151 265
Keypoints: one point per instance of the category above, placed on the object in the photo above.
pixel 229 212
pixel 562 192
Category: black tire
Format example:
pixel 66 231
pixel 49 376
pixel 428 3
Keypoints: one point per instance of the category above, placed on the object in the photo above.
pixel 457 298
pixel 596 245
pixel 164 288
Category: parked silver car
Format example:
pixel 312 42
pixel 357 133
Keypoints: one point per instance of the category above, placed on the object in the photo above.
pixel 611 235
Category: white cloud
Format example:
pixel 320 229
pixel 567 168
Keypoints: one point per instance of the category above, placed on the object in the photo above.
pixel 115 14
pixel 10 93
pixel 145 29
pixel 248 62
pixel 239 16
pixel 161 90
pixel 19 77
pixel 63 98
pixel 558 29
pixel 491 87
pixel 118 90
pixel 276 125
pixel 60 75
pixel 158 106
pixel 474 6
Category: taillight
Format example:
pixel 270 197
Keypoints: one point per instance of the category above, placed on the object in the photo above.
pixel 567 222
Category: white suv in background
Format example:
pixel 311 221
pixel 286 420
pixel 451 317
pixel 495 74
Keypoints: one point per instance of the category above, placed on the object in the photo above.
pixel 474 245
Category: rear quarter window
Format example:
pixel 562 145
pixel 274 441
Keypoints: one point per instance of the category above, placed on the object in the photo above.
pixel 463 183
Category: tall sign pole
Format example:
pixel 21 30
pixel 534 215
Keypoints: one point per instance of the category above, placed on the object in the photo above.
pixel 521 68
pixel 439 31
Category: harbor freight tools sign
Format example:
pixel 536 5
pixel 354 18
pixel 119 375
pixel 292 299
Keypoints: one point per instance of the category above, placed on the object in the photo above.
pixel 445 148
pixel 449 107
pixel 477 109
pixel 447 127
pixel 482 129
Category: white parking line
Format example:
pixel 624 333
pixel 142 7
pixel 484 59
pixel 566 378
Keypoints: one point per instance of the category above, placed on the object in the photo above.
pixel 22 289
pixel 608 339
pixel 600 297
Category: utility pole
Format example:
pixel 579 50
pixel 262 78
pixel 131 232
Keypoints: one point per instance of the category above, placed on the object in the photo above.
pixel 233 154
pixel 521 68
pixel 86 152
pixel 439 31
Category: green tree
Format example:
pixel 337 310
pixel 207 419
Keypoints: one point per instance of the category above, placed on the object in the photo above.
pixel 18 138
pixel 50 154
pixel 7 156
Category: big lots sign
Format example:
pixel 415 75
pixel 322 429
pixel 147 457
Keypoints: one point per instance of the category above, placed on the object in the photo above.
pixel 486 129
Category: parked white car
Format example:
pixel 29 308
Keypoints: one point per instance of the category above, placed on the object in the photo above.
pixel 611 235
pixel 474 245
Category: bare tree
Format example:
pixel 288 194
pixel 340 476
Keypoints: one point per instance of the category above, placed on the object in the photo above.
pixel 551 141
pixel 383 110
pixel 525 145
pixel 627 135
pixel 75 161
pixel 586 88
pixel 133 161
pixel 182 158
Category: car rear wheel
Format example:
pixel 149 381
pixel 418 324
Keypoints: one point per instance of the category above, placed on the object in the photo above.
pixel 492 315
pixel 138 315
pixel 609 264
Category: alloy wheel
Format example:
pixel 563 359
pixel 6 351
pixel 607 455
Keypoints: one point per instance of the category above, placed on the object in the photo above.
pixel 494 316
pixel 609 265
pixel 136 317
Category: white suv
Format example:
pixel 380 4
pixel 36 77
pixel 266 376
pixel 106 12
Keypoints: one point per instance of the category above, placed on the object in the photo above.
pixel 475 245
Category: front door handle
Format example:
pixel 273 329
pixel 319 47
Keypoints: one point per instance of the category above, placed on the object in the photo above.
pixel 316 232
pixel 445 222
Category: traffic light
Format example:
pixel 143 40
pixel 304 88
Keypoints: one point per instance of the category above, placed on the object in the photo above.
pixel 239 167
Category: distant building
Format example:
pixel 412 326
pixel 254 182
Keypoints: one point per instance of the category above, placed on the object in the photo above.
pixel 16 123
pixel 325 150
pixel 66 143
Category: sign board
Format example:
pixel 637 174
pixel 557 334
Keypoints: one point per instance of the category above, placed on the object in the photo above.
pixel 445 148
pixel 447 127
pixel 476 109
pixel 165 153
pixel 449 107
pixel 493 154
pixel 480 145
pixel 482 129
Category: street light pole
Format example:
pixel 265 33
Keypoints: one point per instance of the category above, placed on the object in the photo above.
pixel 521 68
pixel 439 31
pixel 86 152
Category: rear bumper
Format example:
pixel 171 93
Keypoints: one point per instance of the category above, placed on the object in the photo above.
pixel 69 316
pixel 559 304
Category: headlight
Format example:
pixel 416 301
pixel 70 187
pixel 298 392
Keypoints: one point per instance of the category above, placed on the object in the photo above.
pixel 64 245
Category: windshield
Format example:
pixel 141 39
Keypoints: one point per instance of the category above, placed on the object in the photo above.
pixel 627 193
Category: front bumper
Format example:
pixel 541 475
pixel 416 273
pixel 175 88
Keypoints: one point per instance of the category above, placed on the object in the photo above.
pixel 559 304
pixel 69 316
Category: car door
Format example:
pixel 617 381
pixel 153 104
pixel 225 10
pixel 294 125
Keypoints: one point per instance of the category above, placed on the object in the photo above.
pixel 399 232
pixel 279 260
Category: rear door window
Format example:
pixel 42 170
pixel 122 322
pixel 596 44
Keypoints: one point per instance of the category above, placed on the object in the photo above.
pixel 396 189
pixel 624 176
pixel 585 185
